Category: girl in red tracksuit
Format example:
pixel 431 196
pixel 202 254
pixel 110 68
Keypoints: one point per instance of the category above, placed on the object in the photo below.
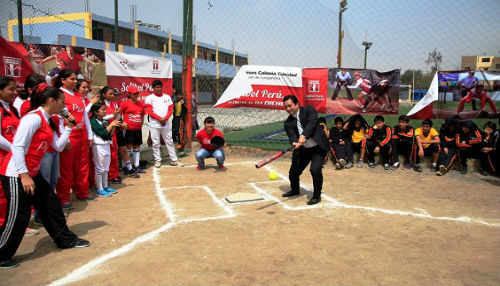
pixel 22 182
pixel 75 161
pixel 9 119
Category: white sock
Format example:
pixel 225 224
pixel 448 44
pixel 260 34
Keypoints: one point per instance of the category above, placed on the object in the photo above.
pixel 98 181
pixel 434 165
pixel 137 157
pixel 104 180
pixel 128 165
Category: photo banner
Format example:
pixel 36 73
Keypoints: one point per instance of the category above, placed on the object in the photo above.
pixel 455 99
pixel 356 91
pixel 352 91
pixel 14 62
pixel 125 70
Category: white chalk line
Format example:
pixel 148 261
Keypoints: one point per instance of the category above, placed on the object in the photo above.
pixel 88 269
pixel 423 213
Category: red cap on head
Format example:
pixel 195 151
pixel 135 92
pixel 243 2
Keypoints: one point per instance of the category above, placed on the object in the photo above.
pixel 132 89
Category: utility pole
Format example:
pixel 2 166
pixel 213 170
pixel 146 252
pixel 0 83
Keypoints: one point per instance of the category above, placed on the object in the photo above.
pixel 342 8
pixel 367 46
pixel 187 65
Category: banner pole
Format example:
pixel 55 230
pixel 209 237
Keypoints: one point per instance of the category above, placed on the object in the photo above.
pixel 187 64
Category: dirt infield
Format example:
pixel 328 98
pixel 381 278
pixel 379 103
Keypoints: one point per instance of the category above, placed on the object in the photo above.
pixel 373 227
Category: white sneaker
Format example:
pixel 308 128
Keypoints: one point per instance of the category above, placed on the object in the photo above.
pixel 176 163
pixel 158 164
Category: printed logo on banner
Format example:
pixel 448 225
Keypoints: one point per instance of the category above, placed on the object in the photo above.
pixel 12 66
pixel 127 66
pixel 156 67
pixel 313 85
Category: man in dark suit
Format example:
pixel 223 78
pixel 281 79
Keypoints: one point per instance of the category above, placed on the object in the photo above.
pixel 310 143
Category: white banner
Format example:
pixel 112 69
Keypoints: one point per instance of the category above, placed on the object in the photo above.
pixel 251 77
pixel 121 64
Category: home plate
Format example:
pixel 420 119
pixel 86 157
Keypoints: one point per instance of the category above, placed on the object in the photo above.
pixel 243 197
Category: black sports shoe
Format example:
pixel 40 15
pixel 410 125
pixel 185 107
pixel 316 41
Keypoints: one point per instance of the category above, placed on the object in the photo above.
pixel 82 243
pixel 116 181
pixel 9 263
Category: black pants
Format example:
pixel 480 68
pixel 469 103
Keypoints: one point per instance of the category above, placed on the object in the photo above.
pixel 487 161
pixel 176 124
pixel 401 147
pixel 447 159
pixel 343 151
pixel 468 152
pixel 384 151
pixel 337 89
pixel 19 211
pixel 464 92
pixel 300 160
pixel 428 152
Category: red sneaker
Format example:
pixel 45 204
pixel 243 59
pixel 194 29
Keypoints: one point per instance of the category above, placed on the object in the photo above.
pixel 222 167
pixel 199 168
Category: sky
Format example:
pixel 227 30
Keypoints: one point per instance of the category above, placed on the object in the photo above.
pixel 304 33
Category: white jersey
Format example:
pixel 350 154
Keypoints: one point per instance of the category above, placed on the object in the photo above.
pixel 160 106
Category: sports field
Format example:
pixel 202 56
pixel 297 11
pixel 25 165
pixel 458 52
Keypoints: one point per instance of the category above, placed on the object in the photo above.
pixel 373 227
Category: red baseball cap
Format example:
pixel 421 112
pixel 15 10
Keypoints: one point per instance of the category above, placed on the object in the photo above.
pixel 132 89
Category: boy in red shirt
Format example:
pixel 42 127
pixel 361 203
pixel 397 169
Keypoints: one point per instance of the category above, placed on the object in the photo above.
pixel 207 150
pixel 133 114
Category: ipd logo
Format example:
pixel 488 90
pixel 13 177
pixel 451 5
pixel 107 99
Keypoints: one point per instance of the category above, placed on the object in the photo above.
pixel 12 66
pixel 313 85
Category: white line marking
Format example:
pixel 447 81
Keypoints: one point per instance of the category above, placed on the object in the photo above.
pixel 228 164
pixel 88 269
pixel 423 213
pixel 167 207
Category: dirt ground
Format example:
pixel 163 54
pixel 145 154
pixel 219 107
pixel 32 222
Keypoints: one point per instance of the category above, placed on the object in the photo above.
pixel 373 227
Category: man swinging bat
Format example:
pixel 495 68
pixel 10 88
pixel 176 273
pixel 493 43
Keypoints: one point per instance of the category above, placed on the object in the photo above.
pixel 310 145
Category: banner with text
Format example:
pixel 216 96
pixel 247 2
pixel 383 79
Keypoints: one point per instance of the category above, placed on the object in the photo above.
pixel 262 87
pixel 124 70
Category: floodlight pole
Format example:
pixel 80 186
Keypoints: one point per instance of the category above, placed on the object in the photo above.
pixel 367 46
pixel 342 8
pixel 187 65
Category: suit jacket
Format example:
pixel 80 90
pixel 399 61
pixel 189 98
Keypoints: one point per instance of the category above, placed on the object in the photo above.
pixel 311 129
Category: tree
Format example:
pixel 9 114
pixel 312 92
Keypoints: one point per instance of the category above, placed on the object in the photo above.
pixel 434 59
pixel 407 76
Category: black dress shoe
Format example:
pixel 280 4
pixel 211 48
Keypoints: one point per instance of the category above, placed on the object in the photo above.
pixel 290 194
pixel 314 201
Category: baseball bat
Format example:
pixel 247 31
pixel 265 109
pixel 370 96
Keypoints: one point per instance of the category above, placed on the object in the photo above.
pixel 272 158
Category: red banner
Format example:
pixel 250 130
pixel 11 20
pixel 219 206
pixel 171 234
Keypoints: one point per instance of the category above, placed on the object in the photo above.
pixel 15 62
pixel 315 87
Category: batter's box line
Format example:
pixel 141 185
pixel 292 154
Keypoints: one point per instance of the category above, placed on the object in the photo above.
pixel 225 164
pixel 219 202
pixel 88 269
pixel 336 203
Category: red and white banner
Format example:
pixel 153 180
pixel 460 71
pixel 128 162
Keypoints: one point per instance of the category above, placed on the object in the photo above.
pixel 423 109
pixel 124 70
pixel 315 81
pixel 14 62
pixel 262 87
